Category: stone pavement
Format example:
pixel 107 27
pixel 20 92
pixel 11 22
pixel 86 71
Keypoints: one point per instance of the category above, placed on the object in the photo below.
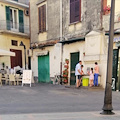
pixel 54 102
pixel 62 116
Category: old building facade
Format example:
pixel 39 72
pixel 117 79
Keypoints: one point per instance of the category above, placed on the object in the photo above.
pixel 14 28
pixel 71 29
pixel 45 33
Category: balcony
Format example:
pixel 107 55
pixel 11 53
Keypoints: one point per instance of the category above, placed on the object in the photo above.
pixel 14 28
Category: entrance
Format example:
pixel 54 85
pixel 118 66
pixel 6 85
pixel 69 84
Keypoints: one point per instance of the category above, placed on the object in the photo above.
pixel 115 67
pixel 43 69
pixel 17 59
pixel 74 60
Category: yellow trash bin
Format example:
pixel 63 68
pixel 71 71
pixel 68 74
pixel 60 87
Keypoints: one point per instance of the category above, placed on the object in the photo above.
pixel 85 81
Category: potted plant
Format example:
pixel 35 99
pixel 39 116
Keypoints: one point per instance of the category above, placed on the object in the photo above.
pixel 66 66
pixel 65 80
pixel 67 61
pixel 107 9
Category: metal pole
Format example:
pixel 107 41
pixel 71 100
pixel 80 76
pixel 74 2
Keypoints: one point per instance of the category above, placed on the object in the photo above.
pixel 61 35
pixel 25 55
pixel 107 107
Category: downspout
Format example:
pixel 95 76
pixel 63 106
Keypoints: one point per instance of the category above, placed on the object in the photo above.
pixel 61 34
pixel 30 34
pixel 30 24
pixel 101 15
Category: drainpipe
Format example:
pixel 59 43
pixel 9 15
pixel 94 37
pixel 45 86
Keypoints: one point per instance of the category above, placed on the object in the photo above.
pixel 61 34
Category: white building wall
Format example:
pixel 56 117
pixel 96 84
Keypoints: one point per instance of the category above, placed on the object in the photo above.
pixel 96 51
pixel 72 48
pixel 54 60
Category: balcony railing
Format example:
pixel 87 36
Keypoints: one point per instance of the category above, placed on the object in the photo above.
pixel 14 27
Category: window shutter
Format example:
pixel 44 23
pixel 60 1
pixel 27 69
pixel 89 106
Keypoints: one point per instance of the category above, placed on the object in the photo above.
pixel 21 21
pixel 40 27
pixel 75 10
pixel 72 11
pixel 8 17
pixel 42 18
pixel 104 3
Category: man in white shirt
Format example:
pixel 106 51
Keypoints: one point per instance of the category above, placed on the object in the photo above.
pixel 78 73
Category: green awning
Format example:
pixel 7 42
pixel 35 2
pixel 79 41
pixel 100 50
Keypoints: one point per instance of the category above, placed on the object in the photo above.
pixel 116 32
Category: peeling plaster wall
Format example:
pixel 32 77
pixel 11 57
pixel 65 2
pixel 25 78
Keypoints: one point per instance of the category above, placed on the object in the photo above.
pixel 90 18
pixel 52 20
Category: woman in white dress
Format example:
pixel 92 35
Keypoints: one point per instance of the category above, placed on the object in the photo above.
pixel 91 77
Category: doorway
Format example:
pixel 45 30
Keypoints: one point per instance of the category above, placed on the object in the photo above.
pixel 43 69
pixel 17 59
pixel 74 57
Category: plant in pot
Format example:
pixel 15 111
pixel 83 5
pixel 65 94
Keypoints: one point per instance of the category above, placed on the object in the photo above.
pixel 67 61
pixel 65 73
pixel 66 66
pixel 65 80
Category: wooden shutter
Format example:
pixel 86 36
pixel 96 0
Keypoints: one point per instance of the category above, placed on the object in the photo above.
pixel 104 3
pixel 21 21
pixel 42 18
pixel 8 17
pixel 72 11
pixel 75 10
pixel 40 27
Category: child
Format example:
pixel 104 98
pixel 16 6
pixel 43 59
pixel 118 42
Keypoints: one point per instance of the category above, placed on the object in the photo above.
pixel 81 74
pixel 82 70
pixel 91 77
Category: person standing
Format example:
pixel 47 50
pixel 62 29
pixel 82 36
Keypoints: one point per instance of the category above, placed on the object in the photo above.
pixel 91 77
pixel 96 73
pixel 78 74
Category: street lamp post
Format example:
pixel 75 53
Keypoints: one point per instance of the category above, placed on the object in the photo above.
pixel 107 107
pixel 21 44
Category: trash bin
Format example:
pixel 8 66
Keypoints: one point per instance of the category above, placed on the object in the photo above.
pixel 85 81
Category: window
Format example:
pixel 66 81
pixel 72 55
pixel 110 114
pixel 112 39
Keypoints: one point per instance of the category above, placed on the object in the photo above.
pixel 75 10
pixel 14 42
pixel 42 18
pixel 14 19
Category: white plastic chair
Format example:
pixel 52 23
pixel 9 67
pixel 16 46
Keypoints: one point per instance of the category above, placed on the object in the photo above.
pixel 1 79
pixel 12 79
pixel 6 78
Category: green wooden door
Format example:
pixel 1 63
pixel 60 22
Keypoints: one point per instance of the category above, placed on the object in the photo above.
pixel 74 61
pixel 43 69
pixel 115 66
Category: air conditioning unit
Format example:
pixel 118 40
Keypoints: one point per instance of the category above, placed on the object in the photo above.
pixel 26 12
pixel 29 53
